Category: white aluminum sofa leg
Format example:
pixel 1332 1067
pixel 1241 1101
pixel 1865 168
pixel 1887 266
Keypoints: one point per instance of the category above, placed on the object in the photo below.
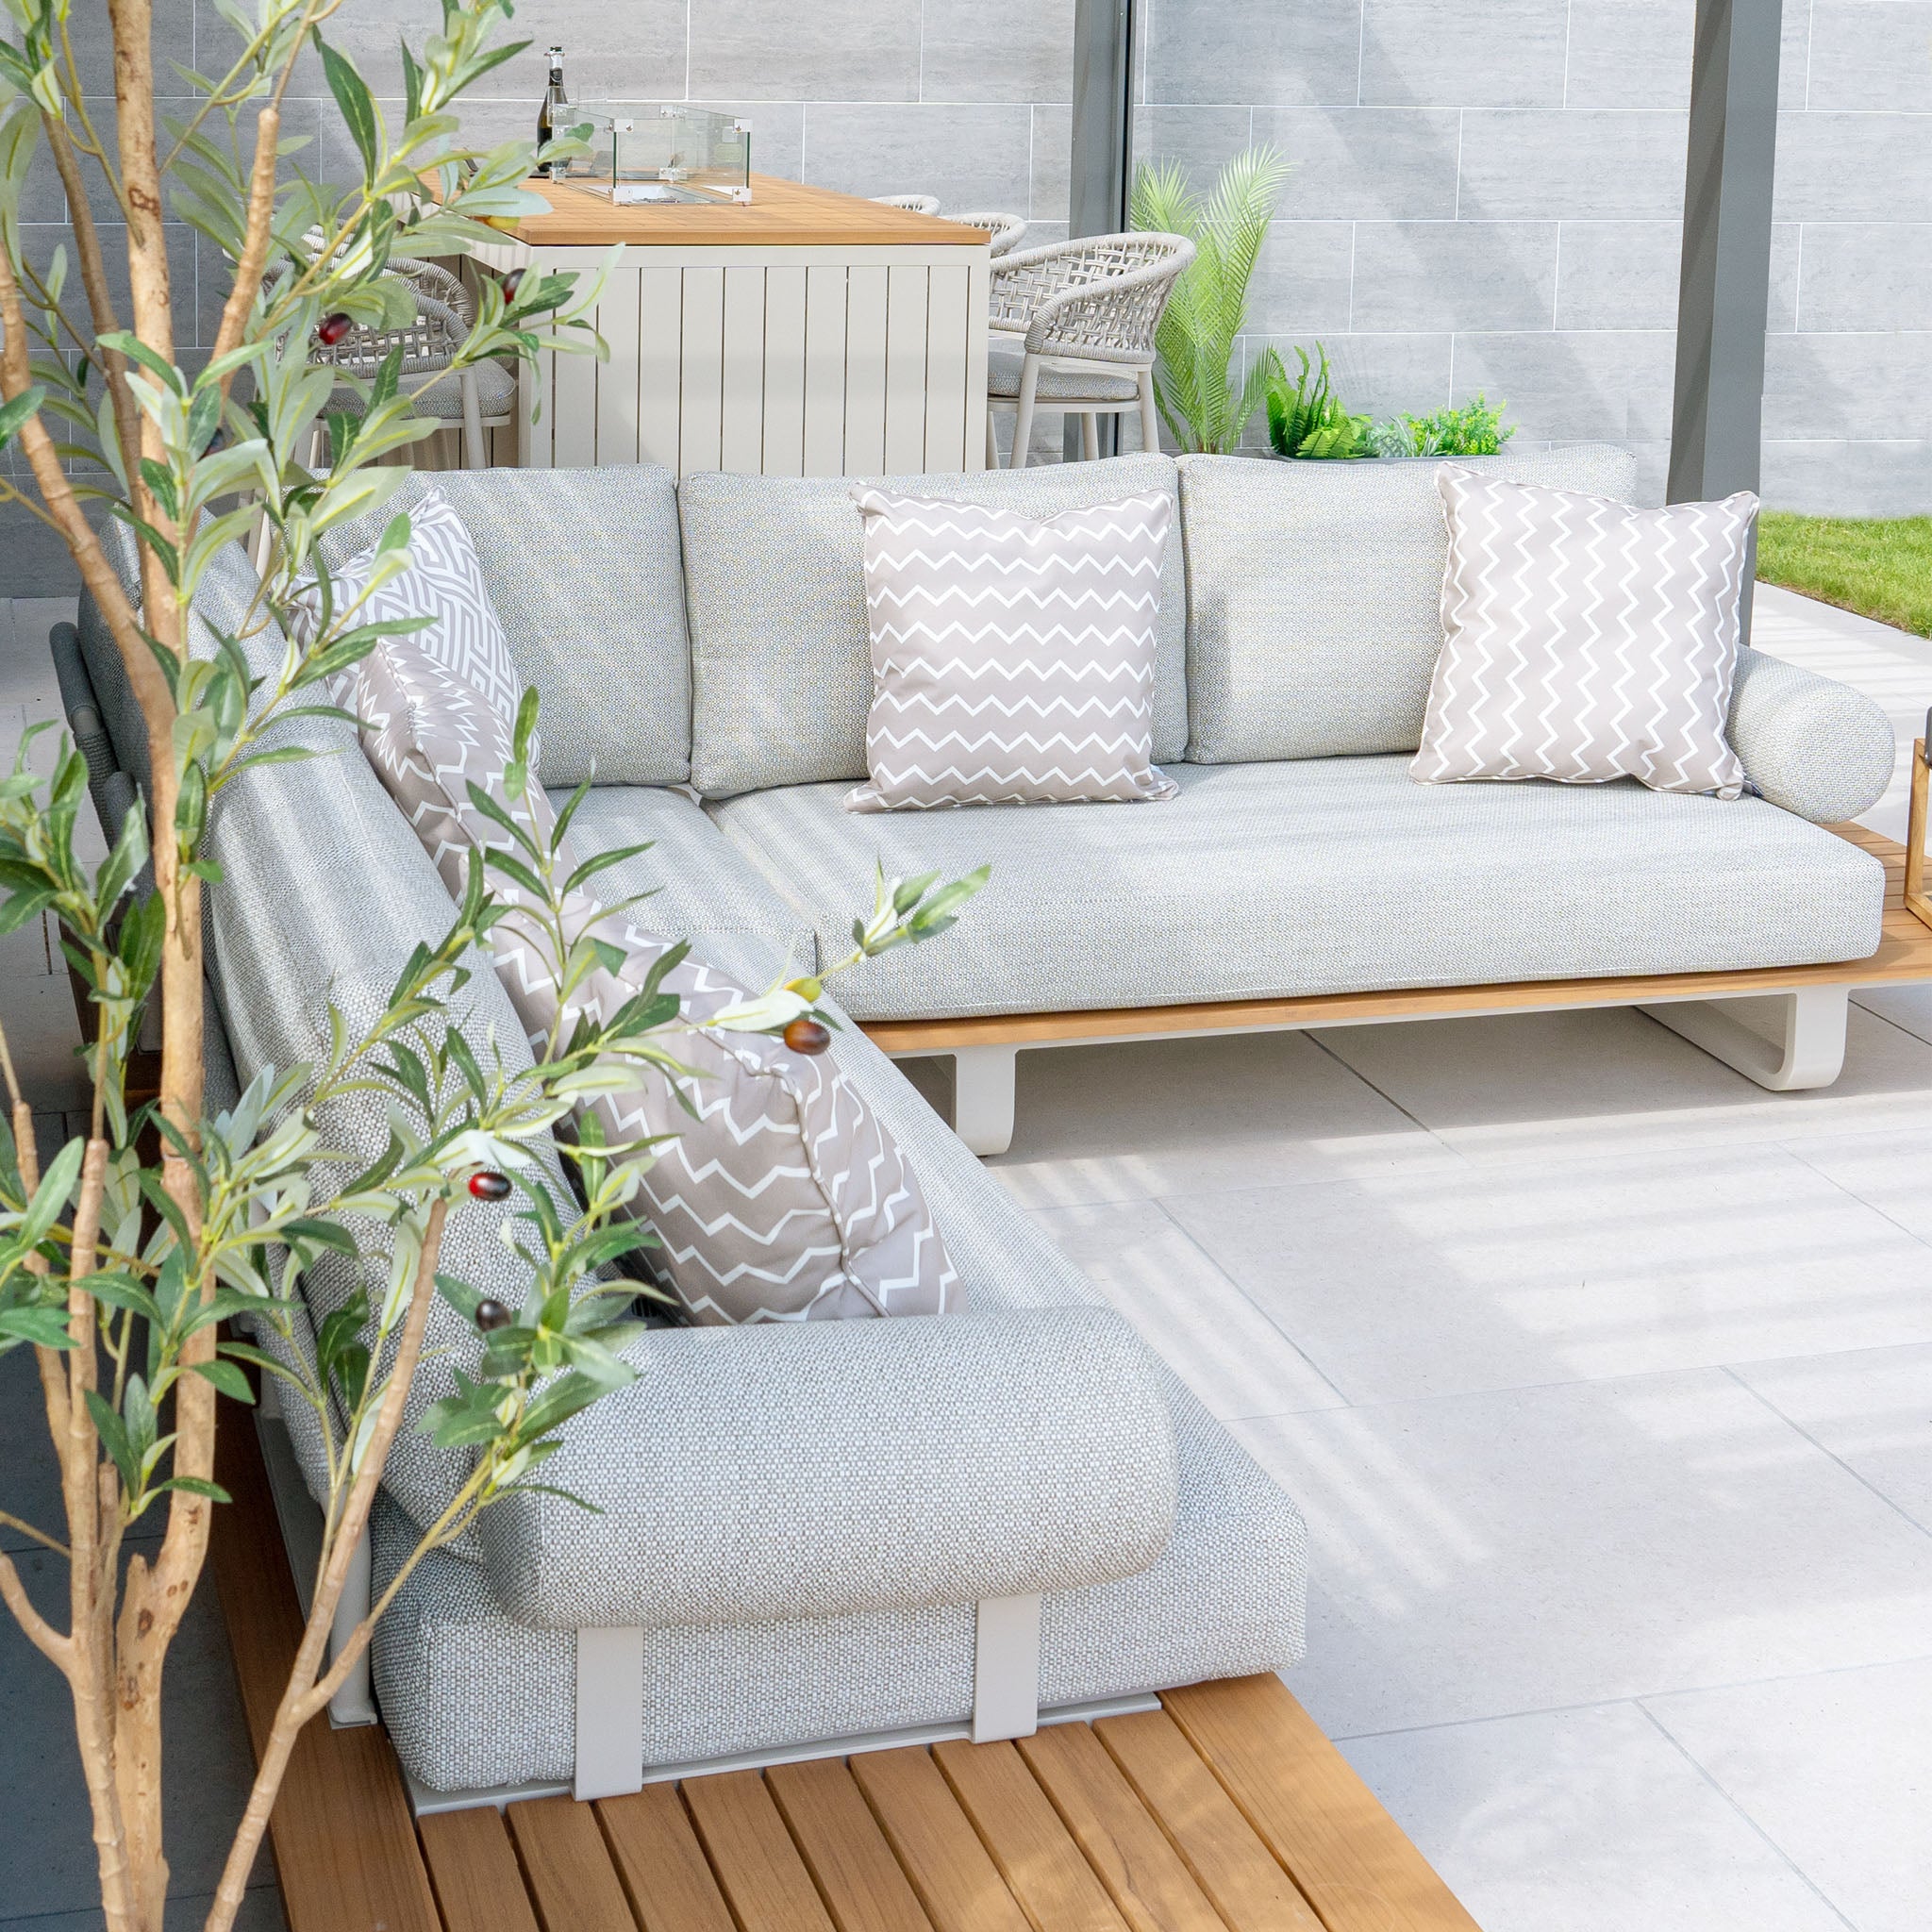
pixel 1006 1669
pixel 1805 1045
pixel 611 1713
pixel 983 1096
pixel 355 1702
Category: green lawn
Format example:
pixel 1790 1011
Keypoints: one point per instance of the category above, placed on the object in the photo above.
pixel 1880 568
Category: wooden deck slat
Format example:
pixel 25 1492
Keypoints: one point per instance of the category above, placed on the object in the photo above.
pixel 479 1885
pixel 935 1843
pixel 763 1878
pixel 567 1867
pixel 1299 1792
pixel 1142 1873
pixel 1243 1878
pixel 663 1868
pixel 857 1876
pixel 345 1852
pixel 1042 1866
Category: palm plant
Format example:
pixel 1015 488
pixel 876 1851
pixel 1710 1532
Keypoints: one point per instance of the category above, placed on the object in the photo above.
pixel 1194 388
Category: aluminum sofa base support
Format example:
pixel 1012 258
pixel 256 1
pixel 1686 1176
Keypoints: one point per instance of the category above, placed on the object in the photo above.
pixel 610 1693
pixel 1006 1669
pixel 1784 1041
pixel 1802 1043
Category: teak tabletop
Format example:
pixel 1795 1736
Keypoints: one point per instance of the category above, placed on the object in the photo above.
pixel 782 213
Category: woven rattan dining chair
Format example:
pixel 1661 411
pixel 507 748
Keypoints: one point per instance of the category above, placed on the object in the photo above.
pixel 1002 231
pixel 912 203
pixel 1073 331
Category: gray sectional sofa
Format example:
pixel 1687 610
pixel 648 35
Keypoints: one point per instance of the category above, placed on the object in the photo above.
pixel 851 1531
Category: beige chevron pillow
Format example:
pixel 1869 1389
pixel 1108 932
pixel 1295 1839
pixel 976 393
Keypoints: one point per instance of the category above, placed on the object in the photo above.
pixel 785 1198
pixel 1584 640
pixel 1013 659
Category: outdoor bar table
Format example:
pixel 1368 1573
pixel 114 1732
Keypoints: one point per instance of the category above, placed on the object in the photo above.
pixel 806 333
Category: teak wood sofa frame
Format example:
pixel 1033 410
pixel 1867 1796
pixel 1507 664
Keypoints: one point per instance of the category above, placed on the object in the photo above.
pixel 1783 1026
pixel 1225 1810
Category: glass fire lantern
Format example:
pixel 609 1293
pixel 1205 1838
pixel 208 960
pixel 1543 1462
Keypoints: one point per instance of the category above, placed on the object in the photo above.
pixel 642 153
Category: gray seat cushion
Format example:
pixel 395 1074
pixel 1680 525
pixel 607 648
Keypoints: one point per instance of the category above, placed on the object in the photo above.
pixel 1003 365
pixel 583 568
pixel 702 887
pixel 441 394
pixel 1314 593
pixel 1322 875
pixel 781 653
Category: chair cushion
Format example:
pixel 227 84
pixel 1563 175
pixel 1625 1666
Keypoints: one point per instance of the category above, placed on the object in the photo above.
pixel 702 886
pixel 780 650
pixel 442 395
pixel 1586 641
pixel 1012 657
pixel 1004 364
pixel 583 568
pixel 1323 875
pixel 1314 592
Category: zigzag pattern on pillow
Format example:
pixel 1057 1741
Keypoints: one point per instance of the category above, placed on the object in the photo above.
pixel 1013 659
pixel 1586 641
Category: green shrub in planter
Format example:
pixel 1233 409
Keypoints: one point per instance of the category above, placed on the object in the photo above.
pixel 1306 418
pixel 1474 430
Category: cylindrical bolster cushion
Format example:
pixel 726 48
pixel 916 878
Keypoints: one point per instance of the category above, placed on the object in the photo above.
pixel 794 1469
pixel 1810 745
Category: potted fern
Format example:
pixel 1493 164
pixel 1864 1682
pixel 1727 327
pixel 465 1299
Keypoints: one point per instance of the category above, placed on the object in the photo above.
pixel 1195 390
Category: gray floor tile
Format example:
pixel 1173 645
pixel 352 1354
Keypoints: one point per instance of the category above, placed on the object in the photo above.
pixel 1227 1351
pixel 1835 1770
pixel 1887 1170
pixel 30 1475
pixel 1871 1409
pixel 1482 1555
pixel 1428 1284
pixel 1536 1086
pixel 47 1853
pixel 262 1911
pixel 1585 1821
pixel 1184 1116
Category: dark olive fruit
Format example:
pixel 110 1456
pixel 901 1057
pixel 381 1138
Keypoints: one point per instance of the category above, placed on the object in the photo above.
pixel 489 1186
pixel 491 1315
pixel 512 283
pixel 806 1035
pixel 332 328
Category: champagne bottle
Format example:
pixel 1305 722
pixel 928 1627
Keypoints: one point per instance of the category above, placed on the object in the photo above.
pixel 549 124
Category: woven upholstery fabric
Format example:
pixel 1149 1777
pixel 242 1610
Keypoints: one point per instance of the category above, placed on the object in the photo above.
pixel 224 597
pixel 1012 658
pixel 583 569
pixel 1321 875
pixel 776 1196
pixel 1809 744
pixel 701 886
pixel 1585 641
pixel 1006 366
pixel 473 1698
pixel 440 395
pixel 1313 594
pixel 325 893
pixel 781 659
pixel 1023 1450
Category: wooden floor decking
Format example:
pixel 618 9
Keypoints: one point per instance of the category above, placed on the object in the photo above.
pixel 1226 1812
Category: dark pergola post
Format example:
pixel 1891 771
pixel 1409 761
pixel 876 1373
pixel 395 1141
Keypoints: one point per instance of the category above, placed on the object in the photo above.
pixel 1717 423
pixel 1100 184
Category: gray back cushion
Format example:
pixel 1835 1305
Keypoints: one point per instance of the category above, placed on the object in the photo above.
pixel 1314 595
pixel 781 655
pixel 583 569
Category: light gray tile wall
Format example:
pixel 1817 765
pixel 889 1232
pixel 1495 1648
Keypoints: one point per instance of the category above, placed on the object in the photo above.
pixel 1492 201
pixel 1483 196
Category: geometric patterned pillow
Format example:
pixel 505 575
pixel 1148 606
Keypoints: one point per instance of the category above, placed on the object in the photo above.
pixel 1586 641
pixel 785 1199
pixel 1012 658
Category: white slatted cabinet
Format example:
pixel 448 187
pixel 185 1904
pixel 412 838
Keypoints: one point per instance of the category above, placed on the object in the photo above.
pixel 809 361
